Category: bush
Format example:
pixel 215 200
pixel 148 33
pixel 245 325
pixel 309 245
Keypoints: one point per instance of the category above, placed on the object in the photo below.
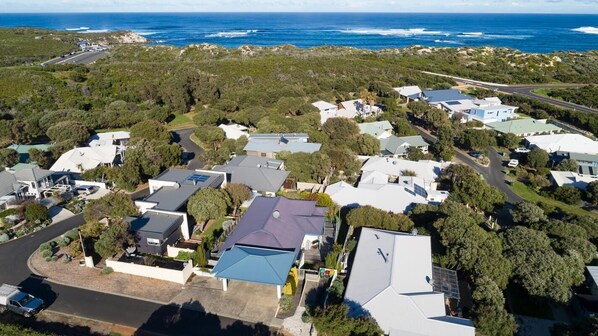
pixel 48 259
pixel 567 194
pixel 45 246
pixel 285 303
pixel 185 256
pixel 4 238
pixel 107 270
pixel 47 253
pixel 54 258
pixel 8 212
pixel 63 241
pixel 75 248
pixel 36 212
pixel 72 234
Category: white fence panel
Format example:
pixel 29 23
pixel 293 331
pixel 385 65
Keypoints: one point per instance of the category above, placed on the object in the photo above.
pixel 152 271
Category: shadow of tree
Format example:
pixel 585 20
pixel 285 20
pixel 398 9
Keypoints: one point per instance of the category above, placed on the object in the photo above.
pixel 41 326
pixel 36 286
pixel 190 318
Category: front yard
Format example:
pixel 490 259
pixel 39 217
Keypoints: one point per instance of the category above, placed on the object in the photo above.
pixel 530 195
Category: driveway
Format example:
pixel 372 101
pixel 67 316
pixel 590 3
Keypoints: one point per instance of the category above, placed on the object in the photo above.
pixel 58 214
pixel 182 137
pixel 245 301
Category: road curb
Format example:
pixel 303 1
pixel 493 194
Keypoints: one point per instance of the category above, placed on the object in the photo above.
pixel 58 282
pixel 131 330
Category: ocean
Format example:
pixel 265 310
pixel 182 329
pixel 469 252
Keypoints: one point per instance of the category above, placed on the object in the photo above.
pixel 526 32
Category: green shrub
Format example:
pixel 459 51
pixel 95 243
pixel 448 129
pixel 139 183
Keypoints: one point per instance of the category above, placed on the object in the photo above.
pixel 47 253
pixel 4 238
pixel 48 259
pixel 285 303
pixel 63 241
pixel 186 256
pixel 45 246
pixel 36 212
pixel 72 234
pixel 8 212
pixel 54 258
pixel 107 270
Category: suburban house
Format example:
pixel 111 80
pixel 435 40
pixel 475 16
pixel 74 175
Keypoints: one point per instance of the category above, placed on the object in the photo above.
pixel 437 97
pixel 81 159
pixel 409 93
pixel 573 143
pixel 262 175
pixel 393 281
pixel 171 190
pixel 571 179
pixel 385 184
pixel 397 146
pixel 356 107
pixel 588 163
pixel 155 230
pixel 377 129
pixel 593 272
pixel 485 110
pixel 524 127
pixel 119 138
pixel 25 183
pixel 23 150
pixel 326 109
pixel 269 240
pixel 268 145
pixel 234 131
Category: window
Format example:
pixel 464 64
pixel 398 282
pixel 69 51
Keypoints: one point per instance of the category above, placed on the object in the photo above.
pixel 153 242
pixel 263 154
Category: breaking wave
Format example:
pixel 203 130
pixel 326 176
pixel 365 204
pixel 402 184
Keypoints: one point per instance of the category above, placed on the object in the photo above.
pixel 586 30
pixel 233 34
pixel 394 32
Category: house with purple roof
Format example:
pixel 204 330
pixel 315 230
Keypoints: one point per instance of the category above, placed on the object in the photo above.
pixel 270 238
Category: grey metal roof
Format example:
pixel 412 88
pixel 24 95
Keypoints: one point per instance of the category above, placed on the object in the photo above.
pixel 276 136
pixel 245 170
pixel 436 96
pixel 32 174
pixel 277 222
pixel 578 156
pixel 278 145
pixel 394 145
pixel 189 182
pixel 155 222
pixel 7 181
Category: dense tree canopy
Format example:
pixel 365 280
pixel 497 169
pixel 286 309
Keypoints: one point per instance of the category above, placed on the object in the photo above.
pixel 341 131
pixel 208 203
pixel 368 216
pixel 537 158
pixel 8 157
pixel 468 187
pixel 68 130
pixel 150 130
pixel 307 167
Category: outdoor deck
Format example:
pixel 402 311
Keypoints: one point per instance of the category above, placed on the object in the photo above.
pixel 313 256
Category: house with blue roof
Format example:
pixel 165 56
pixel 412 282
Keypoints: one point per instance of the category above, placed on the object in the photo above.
pixel 436 97
pixel 269 240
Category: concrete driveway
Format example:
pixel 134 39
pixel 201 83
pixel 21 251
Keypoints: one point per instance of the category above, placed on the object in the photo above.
pixel 245 301
pixel 58 214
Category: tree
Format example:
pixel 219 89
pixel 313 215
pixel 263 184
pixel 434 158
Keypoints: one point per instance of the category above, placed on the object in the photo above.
pixel 592 192
pixel 238 194
pixel 35 212
pixel 8 157
pixel 478 138
pixel 415 154
pixel 568 165
pixel 208 117
pixel 487 292
pixel 444 146
pixel 341 131
pixel 509 140
pixel 468 187
pixel 115 239
pixel 537 267
pixel 150 130
pixel 314 167
pixel 368 216
pixel 435 118
pixel 567 194
pixel 40 157
pixel 208 203
pixel 68 130
pixel 367 145
pixel 112 206
pixel 527 213
pixel 211 136
pixel 201 260
pixel 537 158
pixel 334 320
pixel 343 159
pixel 494 321
pixel 418 108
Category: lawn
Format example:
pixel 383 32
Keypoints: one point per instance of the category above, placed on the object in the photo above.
pixel 106 130
pixel 181 120
pixel 215 228
pixel 530 195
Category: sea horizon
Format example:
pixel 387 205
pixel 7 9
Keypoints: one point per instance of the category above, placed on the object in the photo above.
pixel 536 32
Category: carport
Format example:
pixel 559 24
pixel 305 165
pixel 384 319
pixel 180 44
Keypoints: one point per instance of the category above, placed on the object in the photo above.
pixel 255 264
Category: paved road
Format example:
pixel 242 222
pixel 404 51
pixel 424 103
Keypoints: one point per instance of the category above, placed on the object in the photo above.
pixel 146 316
pixel 525 90
pixel 85 58
pixel 182 137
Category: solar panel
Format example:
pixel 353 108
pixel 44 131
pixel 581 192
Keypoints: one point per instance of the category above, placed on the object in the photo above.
pixel 445 281
pixel 198 178
pixel 453 103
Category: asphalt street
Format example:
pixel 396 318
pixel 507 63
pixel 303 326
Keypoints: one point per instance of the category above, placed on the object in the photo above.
pixel 148 317
pixel 525 90
pixel 84 58
pixel 183 138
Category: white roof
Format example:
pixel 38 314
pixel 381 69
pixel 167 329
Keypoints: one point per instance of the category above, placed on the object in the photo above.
pixel 459 105
pixel 355 107
pixel 108 138
pixel 234 131
pixel 567 178
pixel 593 270
pixel 408 90
pixel 322 105
pixel 574 143
pixel 388 196
pixel 426 169
pixel 85 157
pixel 390 279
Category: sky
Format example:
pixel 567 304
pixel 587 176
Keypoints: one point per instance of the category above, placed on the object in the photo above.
pixel 456 6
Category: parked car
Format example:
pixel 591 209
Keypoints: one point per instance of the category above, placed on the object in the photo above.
pixel 522 150
pixel 11 298
pixel 475 154
pixel 86 190
pixel 513 163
